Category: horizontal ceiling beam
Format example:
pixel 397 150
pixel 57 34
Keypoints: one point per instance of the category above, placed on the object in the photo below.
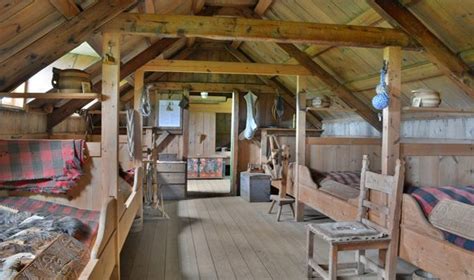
pixel 212 87
pixel 220 67
pixel 244 29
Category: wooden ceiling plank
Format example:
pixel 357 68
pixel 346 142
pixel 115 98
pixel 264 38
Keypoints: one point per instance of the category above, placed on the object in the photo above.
pixel 448 62
pixel 287 94
pixel 224 28
pixel 334 85
pixel 126 69
pixel 212 87
pixel 29 61
pixel 67 8
pixel 262 6
pixel 230 3
pixel 221 67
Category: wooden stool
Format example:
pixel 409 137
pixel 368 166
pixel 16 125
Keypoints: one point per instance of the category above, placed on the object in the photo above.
pixel 281 201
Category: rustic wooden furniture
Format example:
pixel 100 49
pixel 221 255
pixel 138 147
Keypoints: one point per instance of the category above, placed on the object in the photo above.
pixel 282 199
pixel 382 237
pixel 172 179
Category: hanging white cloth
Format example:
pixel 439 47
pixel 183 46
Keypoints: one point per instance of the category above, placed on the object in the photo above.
pixel 251 124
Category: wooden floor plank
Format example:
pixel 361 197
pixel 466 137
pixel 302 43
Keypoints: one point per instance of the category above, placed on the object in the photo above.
pixel 186 250
pixel 255 265
pixel 255 238
pixel 278 256
pixel 221 261
pixel 141 262
pixel 205 263
pixel 172 267
pixel 239 266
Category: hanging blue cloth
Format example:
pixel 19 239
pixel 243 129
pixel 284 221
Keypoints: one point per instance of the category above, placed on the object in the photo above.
pixel 382 99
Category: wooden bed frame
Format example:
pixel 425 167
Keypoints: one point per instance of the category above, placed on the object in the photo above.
pixel 424 246
pixel 91 195
pixel 420 243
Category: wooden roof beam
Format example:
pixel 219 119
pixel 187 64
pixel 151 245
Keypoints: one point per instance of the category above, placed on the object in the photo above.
pixel 224 67
pixel 334 85
pixel 224 28
pixel 211 87
pixel 67 8
pixel 448 62
pixel 29 61
pixel 287 94
pixel 126 69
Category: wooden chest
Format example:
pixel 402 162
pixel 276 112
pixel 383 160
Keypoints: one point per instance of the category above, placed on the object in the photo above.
pixel 172 179
pixel 255 187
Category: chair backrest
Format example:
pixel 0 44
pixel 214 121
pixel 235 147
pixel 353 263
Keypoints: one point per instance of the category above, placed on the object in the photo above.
pixel 391 186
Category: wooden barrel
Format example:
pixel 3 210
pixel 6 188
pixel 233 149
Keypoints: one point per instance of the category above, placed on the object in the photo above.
pixel 69 80
pixel 429 97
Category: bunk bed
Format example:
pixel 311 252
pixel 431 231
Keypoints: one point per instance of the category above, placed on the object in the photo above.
pixel 87 200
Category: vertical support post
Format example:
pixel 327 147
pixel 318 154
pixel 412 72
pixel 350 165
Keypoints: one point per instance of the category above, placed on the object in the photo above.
pixel 391 114
pixel 263 147
pixel 300 139
pixel 138 89
pixel 234 142
pixel 110 129
pixel 185 136
pixel 391 139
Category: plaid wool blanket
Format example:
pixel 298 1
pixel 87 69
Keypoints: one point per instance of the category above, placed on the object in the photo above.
pixel 349 178
pixel 41 166
pixel 428 197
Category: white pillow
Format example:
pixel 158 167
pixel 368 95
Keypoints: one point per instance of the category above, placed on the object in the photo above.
pixel 454 217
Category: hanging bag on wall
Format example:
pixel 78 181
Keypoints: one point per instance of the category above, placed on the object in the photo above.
pixel 382 99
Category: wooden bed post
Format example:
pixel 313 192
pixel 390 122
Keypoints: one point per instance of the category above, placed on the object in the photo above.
pixel 110 127
pixel 300 140
pixel 234 142
pixel 391 114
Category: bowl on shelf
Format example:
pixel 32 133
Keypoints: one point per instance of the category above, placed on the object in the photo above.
pixel 425 97
pixel 321 102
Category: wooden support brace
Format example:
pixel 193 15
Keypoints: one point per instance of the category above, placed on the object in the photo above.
pixel 301 88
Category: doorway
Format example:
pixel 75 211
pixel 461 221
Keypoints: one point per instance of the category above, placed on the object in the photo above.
pixel 209 150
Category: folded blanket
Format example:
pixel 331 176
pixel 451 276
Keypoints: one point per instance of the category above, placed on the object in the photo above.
pixel 41 166
pixel 428 198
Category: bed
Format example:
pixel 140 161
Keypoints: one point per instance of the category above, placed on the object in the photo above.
pixel 329 184
pixel 89 198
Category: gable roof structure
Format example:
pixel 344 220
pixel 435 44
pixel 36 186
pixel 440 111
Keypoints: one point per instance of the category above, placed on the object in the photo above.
pixel 36 34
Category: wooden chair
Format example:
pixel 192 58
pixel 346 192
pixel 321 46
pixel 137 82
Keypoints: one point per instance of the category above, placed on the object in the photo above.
pixel 282 199
pixel 364 234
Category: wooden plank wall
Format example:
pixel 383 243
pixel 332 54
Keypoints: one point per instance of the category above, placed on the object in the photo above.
pixel 343 157
pixel 202 133
pixel 439 128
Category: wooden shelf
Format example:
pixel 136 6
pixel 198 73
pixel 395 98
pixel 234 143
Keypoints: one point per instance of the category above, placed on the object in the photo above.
pixel 437 110
pixel 52 95
pixel 331 110
pixel 283 129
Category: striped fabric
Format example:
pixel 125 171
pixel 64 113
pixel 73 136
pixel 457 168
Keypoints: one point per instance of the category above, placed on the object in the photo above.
pixel 428 197
pixel 349 178
pixel 44 208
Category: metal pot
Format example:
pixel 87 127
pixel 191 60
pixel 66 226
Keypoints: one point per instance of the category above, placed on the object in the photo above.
pixel 69 80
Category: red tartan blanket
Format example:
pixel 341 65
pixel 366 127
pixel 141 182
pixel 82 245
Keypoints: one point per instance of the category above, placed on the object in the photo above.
pixel 41 166
pixel 428 197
